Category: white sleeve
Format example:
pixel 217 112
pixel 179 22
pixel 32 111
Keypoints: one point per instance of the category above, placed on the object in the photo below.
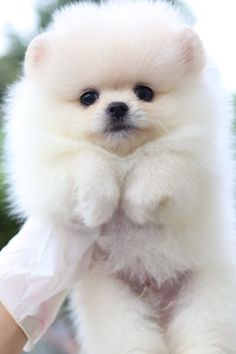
pixel 37 270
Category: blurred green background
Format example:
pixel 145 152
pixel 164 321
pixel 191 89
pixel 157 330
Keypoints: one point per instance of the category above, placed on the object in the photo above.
pixel 10 68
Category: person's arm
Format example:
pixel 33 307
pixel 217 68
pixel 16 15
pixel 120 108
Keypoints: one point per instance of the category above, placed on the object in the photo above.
pixel 12 338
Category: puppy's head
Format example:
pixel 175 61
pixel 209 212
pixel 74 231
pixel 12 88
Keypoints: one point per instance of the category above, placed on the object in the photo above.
pixel 116 75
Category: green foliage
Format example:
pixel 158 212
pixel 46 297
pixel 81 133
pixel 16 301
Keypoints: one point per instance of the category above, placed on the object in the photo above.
pixel 234 108
pixel 8 226
pixel 10 63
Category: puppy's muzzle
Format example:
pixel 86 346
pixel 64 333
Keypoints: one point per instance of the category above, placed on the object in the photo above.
pixel 118 117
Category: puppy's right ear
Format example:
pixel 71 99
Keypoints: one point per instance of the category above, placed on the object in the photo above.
pixel 36 54
pixel 193 53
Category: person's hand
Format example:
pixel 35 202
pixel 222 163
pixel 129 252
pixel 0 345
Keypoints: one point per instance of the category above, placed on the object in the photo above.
pixel 38 268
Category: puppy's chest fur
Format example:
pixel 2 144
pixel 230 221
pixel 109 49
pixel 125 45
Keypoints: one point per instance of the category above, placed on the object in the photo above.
pixel 141 255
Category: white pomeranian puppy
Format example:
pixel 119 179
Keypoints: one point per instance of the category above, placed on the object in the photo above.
pixel 120 124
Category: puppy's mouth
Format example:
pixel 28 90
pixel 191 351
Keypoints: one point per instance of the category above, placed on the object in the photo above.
pixel 120 127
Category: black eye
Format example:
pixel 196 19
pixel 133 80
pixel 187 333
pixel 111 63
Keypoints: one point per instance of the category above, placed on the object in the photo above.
pixel 89 97
pixel 144 93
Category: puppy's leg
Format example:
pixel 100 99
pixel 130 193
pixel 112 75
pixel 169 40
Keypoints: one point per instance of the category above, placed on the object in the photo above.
pixel 205 316
pixel 162 189
pixel 112 320
pixel 97 190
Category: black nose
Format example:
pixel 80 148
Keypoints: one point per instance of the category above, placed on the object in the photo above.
pixel 117 109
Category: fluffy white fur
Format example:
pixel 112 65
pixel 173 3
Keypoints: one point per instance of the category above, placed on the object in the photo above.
pixel 162 278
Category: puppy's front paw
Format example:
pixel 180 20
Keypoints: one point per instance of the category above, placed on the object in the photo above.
pixel 96 203
pixel 142 200
pixel 96 188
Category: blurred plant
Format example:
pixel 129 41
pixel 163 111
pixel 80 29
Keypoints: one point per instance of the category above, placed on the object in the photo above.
pixel 8 226
pixel 233 102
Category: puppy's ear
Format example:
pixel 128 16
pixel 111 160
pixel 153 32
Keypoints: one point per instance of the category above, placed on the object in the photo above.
pixel 192 51
pixel 36 54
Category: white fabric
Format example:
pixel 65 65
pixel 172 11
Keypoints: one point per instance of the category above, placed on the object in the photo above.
pixel 37 270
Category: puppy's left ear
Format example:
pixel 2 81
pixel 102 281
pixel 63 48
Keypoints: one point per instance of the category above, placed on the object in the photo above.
pixel 192 50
